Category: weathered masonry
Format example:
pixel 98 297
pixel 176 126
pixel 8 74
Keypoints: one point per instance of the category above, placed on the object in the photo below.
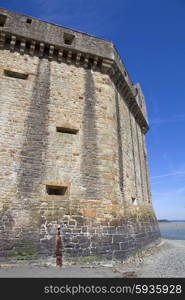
pixel 72 144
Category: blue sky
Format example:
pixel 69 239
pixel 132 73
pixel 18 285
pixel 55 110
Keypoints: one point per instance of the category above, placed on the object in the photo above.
pixel 150 37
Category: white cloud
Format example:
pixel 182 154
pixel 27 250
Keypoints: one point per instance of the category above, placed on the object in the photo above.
pixel 169 174
pixel 172 119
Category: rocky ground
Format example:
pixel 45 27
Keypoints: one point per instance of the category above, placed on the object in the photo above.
pixel 165 259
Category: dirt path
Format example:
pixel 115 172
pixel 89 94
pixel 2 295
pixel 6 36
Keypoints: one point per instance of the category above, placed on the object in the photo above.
pixel 168 262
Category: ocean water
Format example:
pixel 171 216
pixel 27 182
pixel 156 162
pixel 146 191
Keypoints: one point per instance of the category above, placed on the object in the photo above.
pixel 172 230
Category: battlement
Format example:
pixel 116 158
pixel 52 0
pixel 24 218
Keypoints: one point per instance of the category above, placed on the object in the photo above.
pixel 32 36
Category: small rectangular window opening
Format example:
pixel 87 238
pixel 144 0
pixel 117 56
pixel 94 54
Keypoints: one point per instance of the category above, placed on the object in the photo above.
pixel 56 190
pixel 29 21
pixel 68 38
pixel 2 20
pixel 66 130
pixel 134 201
pixel 17 75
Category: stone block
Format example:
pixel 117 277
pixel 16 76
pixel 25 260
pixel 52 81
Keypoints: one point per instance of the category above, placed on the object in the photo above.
pixel 119 255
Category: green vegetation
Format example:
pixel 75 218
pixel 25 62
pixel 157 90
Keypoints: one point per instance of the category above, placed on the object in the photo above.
pixel 23 253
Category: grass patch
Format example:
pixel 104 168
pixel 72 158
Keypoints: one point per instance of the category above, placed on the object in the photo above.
pixel 23 253
pixel 90 259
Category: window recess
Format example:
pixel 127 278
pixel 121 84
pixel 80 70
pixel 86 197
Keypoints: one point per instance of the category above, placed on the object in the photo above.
pixel 2 20
pixel 68 38
pixel 134 201
pixel 66 130
pixel 56 190
pixel 29 21
pixel 16 75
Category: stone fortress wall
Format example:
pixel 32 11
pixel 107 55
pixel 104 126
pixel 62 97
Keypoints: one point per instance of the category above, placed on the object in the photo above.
pixel 72 144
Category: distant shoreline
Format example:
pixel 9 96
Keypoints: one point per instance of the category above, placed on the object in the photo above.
pixel 165 220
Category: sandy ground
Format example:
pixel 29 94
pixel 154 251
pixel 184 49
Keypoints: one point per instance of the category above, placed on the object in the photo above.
pixel 166 259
